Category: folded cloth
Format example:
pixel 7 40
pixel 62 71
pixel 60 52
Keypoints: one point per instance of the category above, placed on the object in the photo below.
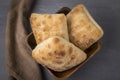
pixel 20 64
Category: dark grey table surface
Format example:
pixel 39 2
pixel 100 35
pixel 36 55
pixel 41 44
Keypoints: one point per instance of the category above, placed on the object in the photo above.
pixel 105 65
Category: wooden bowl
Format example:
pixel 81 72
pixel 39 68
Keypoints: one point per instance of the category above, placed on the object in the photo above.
pixel 91 51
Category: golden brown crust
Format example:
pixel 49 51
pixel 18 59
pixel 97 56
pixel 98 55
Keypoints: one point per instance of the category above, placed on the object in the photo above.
pixel 83 30
pixel 55 58
pixel 47 25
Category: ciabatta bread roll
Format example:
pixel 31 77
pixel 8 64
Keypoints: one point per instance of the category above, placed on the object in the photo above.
pixel 83 30
pixel 47 25
pixel 58 54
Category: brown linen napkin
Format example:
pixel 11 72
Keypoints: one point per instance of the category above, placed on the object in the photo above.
pixel 20 64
